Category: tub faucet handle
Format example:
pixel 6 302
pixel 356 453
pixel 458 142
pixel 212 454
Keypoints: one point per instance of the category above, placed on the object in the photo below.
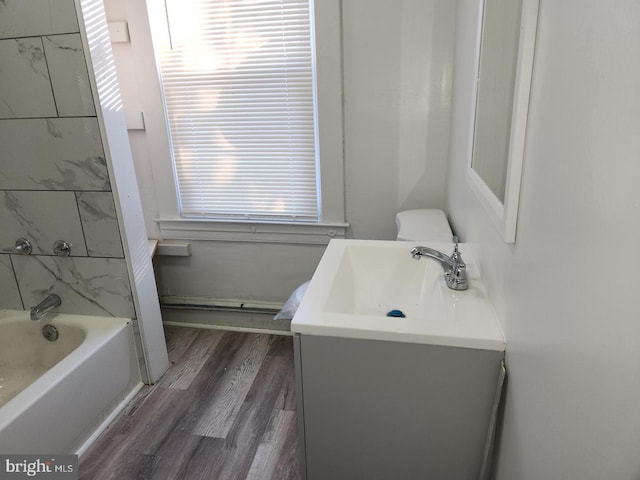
pixel 21 247
pixel 62 248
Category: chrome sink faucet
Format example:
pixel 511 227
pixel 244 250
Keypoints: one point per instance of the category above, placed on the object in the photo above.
pixel 455 270
pixel 45 306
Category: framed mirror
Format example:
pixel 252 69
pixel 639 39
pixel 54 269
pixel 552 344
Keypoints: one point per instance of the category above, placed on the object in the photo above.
pixel 507 31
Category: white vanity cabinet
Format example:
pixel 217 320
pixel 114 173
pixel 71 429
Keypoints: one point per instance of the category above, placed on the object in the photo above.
pixel 394 398
pixel 380 410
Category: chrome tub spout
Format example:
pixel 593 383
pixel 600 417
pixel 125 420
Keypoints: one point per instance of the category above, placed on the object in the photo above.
pixel 45 306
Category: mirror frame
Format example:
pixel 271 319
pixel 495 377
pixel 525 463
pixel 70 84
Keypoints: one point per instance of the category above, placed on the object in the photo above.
pixel 504 215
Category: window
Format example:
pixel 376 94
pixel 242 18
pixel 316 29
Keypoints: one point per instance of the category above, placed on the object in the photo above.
pixel 285 190
pixel 237 77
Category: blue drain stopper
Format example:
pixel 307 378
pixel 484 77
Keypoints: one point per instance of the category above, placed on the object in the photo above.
pixel 396 314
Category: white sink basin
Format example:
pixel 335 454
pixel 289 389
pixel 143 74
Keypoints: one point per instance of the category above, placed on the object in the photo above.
pixel 373 280
pixel 358 282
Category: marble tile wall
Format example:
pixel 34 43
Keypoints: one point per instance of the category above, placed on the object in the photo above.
pixel 52 154
pixel 54 182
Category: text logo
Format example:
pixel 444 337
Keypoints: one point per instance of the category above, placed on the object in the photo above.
pixel 49 467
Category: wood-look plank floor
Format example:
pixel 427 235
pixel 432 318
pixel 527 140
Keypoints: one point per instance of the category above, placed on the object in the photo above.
pixel 224 410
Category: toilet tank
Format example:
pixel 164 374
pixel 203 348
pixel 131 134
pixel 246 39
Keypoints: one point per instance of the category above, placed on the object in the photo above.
pixel 423 225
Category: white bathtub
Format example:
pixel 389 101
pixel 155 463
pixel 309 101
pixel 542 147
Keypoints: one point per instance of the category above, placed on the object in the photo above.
pixel 56 396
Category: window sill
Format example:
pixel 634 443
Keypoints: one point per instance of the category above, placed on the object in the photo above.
pixel 259 232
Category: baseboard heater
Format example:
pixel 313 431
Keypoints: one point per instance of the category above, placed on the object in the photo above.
pixel 217 305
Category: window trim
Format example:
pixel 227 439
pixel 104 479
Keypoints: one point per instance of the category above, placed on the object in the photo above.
pixel 326 15
pixel 247 231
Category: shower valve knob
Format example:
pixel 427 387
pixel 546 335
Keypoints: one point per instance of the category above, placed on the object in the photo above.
pixel 62 248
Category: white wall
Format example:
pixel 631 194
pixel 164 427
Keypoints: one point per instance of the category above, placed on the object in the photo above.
pixel 566 292
pixel 397 75
pixel 398 58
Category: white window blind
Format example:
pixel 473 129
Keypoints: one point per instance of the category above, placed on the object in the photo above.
pixel 238 85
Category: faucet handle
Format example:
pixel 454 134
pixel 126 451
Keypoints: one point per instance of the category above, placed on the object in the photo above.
pixel 456 256
pixel 62 248
pixel 21 247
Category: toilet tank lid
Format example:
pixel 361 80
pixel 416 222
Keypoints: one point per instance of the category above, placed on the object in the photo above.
pixel 423 224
